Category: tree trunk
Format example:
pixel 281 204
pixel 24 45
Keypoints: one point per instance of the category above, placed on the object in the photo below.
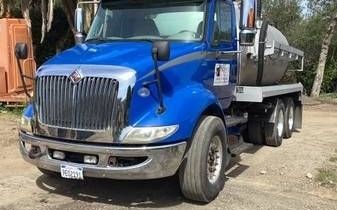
pixel 44 19
pixel 47 12
pixel 61 42
pixel 5 9
pixel 25 4
pixel 1 8
pixel 316 88
pixel 69 7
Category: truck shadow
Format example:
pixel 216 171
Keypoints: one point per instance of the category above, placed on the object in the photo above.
pixel 143 194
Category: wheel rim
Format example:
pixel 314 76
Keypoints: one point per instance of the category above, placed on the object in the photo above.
pixel 280 123
pixel 291 118
pixel 214 159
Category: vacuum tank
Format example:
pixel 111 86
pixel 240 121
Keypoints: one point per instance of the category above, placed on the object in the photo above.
pixel 266 53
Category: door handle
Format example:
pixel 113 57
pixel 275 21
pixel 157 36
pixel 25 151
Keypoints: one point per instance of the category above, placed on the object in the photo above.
pixel 220 54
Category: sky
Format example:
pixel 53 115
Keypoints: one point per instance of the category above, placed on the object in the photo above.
pixel 305 10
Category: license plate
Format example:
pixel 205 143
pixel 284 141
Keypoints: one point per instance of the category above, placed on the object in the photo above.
pixel 71 172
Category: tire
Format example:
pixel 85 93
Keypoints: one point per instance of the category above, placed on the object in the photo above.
pixel 289 117
pixel 49 173
pixel 196 182
pixel 255 132
pixel 273 133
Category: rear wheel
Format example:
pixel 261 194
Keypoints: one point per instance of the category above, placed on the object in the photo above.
pixel 202 174
pixel 289 117
pixel 274 132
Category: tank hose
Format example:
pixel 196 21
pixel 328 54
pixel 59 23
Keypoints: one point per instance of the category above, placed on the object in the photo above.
pixel 262 47
pixel 259 8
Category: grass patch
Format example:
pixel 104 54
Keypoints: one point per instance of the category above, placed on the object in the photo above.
pixel 333 159
pixel 327 177
pixel 16 111
pixel 330 98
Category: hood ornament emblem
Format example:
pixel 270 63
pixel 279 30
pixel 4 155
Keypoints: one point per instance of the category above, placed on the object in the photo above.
pixel 76 76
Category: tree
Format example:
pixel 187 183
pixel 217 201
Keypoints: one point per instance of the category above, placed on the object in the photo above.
pixel 285 15
pixel 47 13
pixel 4 8
pixel 7 7
pixel 25 4
pixel 69 8
pixel 328 8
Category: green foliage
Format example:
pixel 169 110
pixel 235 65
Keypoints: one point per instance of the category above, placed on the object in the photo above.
pixel 328 98
pixel 327 177
pixel 284 15
pixel 330 77
pixel 333 159
pixel 15 111
pixel 306 31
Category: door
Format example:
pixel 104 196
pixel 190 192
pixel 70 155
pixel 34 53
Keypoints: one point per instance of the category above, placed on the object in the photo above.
pixel 19 33
pixel 222 56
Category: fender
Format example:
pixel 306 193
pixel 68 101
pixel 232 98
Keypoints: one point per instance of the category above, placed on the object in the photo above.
pixel 186 113
pixel 28 111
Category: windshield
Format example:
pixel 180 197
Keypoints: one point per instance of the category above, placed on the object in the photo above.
pixel 149 20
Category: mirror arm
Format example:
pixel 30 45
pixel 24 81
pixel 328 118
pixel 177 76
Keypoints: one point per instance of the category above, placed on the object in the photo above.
pixel 22 76
pixel 161 108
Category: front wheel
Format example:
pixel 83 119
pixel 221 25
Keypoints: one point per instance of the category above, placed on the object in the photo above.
pixel 202 174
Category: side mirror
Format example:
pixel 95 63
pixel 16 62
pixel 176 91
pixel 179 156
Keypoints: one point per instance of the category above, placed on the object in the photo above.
pixel 79 25
pixel 247 37
pixel 21 51
pixel 161 50
pixel 248 22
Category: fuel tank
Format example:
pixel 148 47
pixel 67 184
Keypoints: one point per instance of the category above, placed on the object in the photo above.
pixel 269 69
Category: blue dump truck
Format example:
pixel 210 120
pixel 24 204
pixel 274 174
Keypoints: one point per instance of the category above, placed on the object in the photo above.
pixel 161 88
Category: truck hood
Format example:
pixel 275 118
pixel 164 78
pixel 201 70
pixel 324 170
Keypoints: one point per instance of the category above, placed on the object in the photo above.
pixel 134 55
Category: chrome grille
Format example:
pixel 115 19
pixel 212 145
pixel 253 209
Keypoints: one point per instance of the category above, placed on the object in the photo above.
pixel 86 105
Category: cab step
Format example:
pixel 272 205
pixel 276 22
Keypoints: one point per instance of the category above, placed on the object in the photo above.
pixel 241 148
pixel 232 121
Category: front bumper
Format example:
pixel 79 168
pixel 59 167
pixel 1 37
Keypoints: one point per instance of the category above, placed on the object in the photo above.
pixel 162 161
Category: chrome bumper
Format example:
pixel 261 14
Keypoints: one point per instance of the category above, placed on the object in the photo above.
pixel 162 161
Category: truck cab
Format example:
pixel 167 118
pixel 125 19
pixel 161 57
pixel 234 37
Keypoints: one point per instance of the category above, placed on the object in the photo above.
pixel 153 89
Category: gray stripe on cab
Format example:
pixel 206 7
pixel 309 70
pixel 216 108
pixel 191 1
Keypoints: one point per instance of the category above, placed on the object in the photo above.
pixel 179 60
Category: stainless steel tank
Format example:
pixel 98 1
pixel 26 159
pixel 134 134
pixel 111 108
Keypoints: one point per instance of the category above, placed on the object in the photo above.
pixel 274 65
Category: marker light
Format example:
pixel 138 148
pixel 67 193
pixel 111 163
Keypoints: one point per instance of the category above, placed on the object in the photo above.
pixel 144 92
pixel 90 159
pixel 59 155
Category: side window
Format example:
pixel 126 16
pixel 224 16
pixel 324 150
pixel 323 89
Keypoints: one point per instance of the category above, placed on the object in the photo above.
pixel 223 22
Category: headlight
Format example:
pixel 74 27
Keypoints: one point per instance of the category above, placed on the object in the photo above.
pixel 148 134
pixel 25 124
pixel 26 120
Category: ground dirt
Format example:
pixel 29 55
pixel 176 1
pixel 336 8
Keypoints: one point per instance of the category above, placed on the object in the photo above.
pixel 260 178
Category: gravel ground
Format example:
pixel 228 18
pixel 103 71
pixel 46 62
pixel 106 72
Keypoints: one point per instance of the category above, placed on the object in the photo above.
pixel 260 178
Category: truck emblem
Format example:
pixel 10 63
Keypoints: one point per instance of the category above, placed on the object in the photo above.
pixel 76 76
